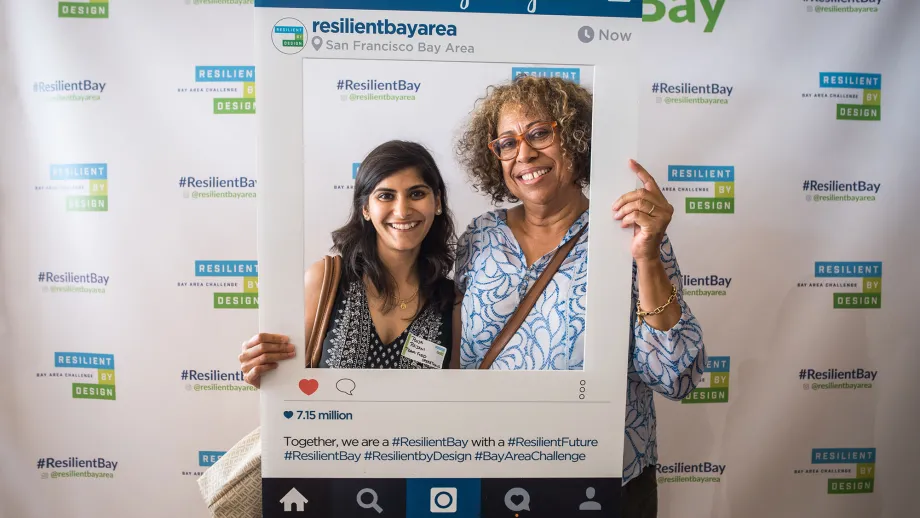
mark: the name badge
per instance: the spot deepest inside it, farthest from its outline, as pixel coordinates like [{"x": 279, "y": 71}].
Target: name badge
[{"x": 424, "y": 351}]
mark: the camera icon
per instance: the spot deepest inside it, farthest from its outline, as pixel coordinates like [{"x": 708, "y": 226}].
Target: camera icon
[{"x": 443, "y": 500}]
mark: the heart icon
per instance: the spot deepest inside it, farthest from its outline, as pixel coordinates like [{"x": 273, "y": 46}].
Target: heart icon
[
  {"x": 517, "y": 497},
  {"x": 288, "y": 414},
  {"x": 308, "y": 386}
]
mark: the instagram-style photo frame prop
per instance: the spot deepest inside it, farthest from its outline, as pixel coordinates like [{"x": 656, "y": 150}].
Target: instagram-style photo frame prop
[{"x": 336, "y": 78}]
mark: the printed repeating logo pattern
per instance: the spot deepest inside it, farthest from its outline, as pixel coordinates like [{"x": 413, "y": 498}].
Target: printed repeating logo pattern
[
  {"x": 569, "y": 74},
  {"x": 859, "y": 95},
  {"x": 97, "y": 176},
  {"x": 216, "y": 79},
  {"x": 713, "y": 387},
  {"x": 722, "y": 191},
  {"x": 858, "y": 463},
  {"x": 869, "y": 273},
  {"x": 90, "y": 9},
  {"x": 94, "y": 374},
  {"x": 222, "y": 275},
  {"x": 687, "y": 473}
]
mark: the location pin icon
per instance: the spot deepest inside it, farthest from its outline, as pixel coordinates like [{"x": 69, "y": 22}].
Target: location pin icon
[{"x": 317, "y": 42}]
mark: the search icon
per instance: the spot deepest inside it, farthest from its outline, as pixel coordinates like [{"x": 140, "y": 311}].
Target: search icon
[{"x": 373, "y": 502}]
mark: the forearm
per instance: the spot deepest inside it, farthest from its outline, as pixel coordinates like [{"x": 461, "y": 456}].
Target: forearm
[
  {"x": 654, "y": 291},
  {"x": 669, "y": 355}
]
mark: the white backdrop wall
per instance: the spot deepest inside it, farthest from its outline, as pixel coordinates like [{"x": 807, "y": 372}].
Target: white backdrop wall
[{"x": 133, "y": 372}]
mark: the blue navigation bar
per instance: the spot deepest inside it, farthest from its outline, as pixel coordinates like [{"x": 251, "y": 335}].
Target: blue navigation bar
[{"x": 599, "y": 8}]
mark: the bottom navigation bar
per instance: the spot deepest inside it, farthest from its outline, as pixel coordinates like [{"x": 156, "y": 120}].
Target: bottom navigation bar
[{"x": 457, "y": 498}]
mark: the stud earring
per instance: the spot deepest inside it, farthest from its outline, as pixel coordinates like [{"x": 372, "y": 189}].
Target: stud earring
[{"x": 438, "y": 211}]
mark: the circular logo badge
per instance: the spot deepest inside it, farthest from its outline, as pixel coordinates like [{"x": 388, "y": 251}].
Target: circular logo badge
[
  {"x": 289, "y": 35},
  {"x": 586, "y": 34}
]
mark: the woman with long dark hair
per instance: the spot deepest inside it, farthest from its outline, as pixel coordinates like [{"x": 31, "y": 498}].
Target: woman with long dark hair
[{"x": 397, "y": 248}]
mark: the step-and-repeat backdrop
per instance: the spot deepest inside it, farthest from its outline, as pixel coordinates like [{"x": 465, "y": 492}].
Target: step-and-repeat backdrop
[{"x": 783, "y": 131}]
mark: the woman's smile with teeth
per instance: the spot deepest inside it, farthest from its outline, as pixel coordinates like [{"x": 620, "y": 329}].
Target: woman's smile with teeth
[
  {"x": 404, "y": 226},
  {"x": 533, "y": 175}
]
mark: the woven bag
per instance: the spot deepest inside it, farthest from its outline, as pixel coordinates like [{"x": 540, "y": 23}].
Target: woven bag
[{"x": 232, "y": 486}]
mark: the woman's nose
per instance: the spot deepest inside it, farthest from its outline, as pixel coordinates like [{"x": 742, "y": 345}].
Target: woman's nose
[
  {"x": 525, "y": 152},
  {"x": 402, "y": 207}
]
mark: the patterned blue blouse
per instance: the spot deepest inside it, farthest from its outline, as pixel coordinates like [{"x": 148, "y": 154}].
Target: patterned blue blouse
[{"x": 493, "y": 276}]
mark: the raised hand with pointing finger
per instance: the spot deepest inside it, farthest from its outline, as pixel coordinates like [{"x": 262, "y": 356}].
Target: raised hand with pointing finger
[{"x": 648, "y": 211}]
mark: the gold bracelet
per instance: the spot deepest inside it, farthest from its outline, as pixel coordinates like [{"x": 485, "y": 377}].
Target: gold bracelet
[{"x": 642, "y": 314}]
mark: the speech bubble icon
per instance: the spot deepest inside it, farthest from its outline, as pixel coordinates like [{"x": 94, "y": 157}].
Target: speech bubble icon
[
  {"x": 317, "y": 42},
  {"x": 517, "y": 499},
  {"x": 345, "y": 386}
]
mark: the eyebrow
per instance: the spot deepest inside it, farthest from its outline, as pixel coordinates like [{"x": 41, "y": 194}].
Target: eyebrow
[
  {"x": 511, "y": 132},
  {"x": 387, "y": 189}
]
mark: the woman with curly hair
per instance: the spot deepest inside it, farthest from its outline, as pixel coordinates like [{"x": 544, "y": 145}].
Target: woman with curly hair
[{"x": 530, "y": 142}]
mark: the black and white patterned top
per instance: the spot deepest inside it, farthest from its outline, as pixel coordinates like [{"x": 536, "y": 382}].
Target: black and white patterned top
[{"x": 352, "y": 341}]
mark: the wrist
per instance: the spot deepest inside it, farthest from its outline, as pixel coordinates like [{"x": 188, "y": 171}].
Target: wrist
[{"x": 649, "y": 263}]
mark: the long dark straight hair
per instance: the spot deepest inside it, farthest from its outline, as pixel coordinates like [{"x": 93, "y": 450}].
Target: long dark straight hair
[{"x": 356, "y": 241}]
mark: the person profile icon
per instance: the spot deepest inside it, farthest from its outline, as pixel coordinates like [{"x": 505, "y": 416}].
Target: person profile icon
[{"x": 590, "y": 504}]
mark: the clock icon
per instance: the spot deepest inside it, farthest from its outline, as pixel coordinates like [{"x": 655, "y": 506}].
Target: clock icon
[{"x": 586, "y": 34}]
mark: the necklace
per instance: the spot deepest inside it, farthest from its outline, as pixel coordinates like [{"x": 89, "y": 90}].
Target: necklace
[{"x": 404, "y": 303}]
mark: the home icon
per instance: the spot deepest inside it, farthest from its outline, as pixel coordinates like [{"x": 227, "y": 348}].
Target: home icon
[{"x": 294, "y": 499}]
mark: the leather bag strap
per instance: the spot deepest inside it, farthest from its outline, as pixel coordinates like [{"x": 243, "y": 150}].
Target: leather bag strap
[
  {"x": 530, "y": 298},
  {"x": 332, "y": 274}
]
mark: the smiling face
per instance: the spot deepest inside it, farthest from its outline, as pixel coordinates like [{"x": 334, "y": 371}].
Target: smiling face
[
  {"x": 535, "y": 175},
  {"x": 402, "y": 208}
]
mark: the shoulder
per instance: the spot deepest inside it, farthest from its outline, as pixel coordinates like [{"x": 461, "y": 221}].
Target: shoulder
[
  {"x": 483, "y": 223},
  {"x": 479, "y": 231},
  {"x": 313, "y": 277},
  {"x": 473, "y": 239}
]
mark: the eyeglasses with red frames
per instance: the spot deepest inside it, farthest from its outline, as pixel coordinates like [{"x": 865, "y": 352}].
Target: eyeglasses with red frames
[{"x": 539, "y": 135}]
